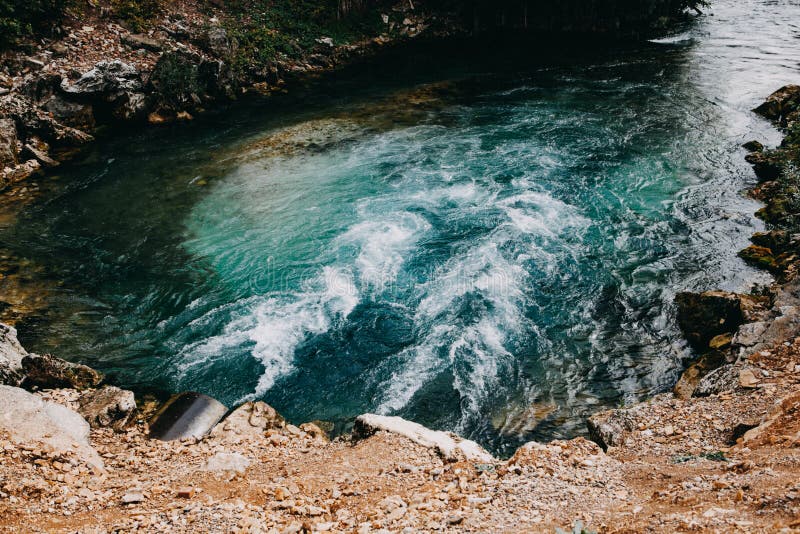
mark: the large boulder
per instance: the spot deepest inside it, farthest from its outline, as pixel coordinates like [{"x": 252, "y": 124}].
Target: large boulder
[
  {"x": 186, "y": 415},
  {"x": 30, "y": 421},
  {"x": 106, "y": 79},
  {"x": 11, "y": 355},
  {"x": 109, "y": 406},
  {"x": 49, "y": 372},
  {"x": 250, "y": 420},
  {"x": 75, "y": 114},
  {"x": 609, "y": 428},
  {"x": 703, "y": 316},
  {"x": 780, "y": 104},
  {"x": 692, "y": 376},
  {"x": 449, "y": 446}
]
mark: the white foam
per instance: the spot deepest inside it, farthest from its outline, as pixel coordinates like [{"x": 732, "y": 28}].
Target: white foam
[
  {"x": 277, "y": 324},
  {"x": 675, "y": 39},
  {"x": 383, "y": 245}
]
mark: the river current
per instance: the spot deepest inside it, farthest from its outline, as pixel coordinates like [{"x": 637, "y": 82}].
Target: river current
[{"x": 486, "y": 240}]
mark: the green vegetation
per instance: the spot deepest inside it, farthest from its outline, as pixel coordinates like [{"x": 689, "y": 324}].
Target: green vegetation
[
  {"x": 136, "y": 14},
  {"x": 176, "y": 78},
  {"x": 265, "y": 29},
  {"x": 716, "y": 456},
  {"x": 20, "y": 18}
]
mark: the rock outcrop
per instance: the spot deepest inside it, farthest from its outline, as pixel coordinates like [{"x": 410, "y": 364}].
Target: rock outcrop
[
  {"x": 703, "y": 316},
  {"x": 108, "y": 406},
  {"x": 49, "y": 372},
  {"x": 30, "y": 421},
  {"x": 11, "y": 355},
  {"x": 248, "y": 420}
]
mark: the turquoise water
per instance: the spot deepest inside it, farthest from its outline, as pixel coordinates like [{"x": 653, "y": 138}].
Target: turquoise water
[{"x": 483, "y": 241}]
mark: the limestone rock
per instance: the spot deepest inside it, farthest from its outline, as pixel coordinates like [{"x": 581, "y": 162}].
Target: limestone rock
[
  {"x": 608, "y": 428},
  {"x": 11, "y": 355},
  {"x": 131, "y": 106},
  {"x": 217, "y": 42},
  {"x": 691, "y": 377},
  {"x": 747, "y": 379},
  {"x": 109, "y": 406},
  {"x": 227, "y": 461},
  {"x": 449, "y": 446},
  {"x": 186, "y": 415},
  {"x": 314, "y": 431},
  {"x": 703, "y": 316},
  {"x": 75, "y": 114},
  {"x": 32, "y": 151},
  {"x": 49, "y": 372},
  {"x": 725, "y": 378},
  {"x": 140, "y": 41},
  {"x": 11, "y": 175},
  {"x": 106, "y": 78},
  {"x": 250, "y": 419},
  {"x": 780, "y": 103},
  {"x": 8, "y": 143},
  {"x": 30, "y": 420},
  {"x": 750, "y": 334}
]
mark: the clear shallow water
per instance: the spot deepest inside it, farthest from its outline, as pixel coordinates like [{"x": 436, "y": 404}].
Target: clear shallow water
[{"x": 483, "y": 243}]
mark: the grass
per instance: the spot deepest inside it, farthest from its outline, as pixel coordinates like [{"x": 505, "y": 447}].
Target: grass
[{"x": 268, "y": 29}]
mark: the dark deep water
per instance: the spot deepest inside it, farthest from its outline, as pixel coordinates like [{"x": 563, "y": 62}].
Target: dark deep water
[{"x": 486, "y": 241}]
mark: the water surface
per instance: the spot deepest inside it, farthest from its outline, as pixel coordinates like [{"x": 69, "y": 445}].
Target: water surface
[{"x": 482, "y": 240}]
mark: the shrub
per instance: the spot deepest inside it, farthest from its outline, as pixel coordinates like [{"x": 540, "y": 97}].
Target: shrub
[
  {"x": 136, "y": 14},
  {"x": 19, "y": 18}
]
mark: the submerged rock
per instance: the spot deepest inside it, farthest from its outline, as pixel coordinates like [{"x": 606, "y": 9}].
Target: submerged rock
[
  {"x": 449, "y": 446},
  {"x": 49, "y": 372},
  {"x": 703, "y": 316}
]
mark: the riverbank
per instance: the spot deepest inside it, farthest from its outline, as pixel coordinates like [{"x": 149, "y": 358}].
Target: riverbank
[
  {"x": 111, "y": 68},
  {"x": 722, "y": 452}
]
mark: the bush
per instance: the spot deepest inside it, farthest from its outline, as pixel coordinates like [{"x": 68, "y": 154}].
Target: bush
[
  {"x": 136, "y": 14},
  {"x": 19, "y": 18},
  {"x": 265, "y": 28},
  {"x": 176, "y": 79}
]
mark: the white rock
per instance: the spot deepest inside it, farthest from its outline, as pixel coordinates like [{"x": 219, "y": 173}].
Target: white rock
[
  {"x": 448, "y": 445},
  {"x": 29, "y": 419},
  {"x": 227, "y": 461}
]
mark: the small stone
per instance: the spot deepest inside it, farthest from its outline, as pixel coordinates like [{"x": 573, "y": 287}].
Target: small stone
[
  {"x": 185, "y": 493},
  {"x": 747, "y": 379},
  {"x": 132, "y": 497}
]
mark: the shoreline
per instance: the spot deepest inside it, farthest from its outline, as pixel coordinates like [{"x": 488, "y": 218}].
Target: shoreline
[
  {"x": 719, "y": 452},
  {"x": 724, "y": 446}
]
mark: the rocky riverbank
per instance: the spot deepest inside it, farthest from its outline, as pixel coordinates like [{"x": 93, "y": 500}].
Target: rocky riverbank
[
  {"x": 57, "y": 94},
  {"x": 720, "y": 453}
]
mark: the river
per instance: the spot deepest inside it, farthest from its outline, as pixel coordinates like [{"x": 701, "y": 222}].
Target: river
[{"x": 481, "y": 239}]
